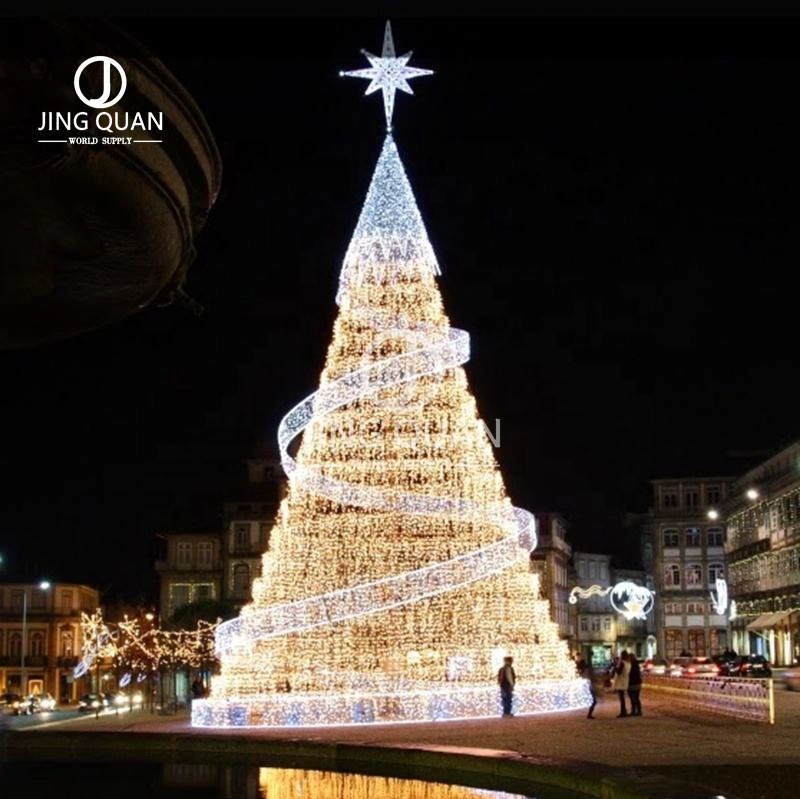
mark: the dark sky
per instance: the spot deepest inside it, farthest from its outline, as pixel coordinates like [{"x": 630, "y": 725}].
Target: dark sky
[{"x": 613, "y": 203}]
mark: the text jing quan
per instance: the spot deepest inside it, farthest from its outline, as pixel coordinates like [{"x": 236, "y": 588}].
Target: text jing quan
[{"x": 104, "y": 120}]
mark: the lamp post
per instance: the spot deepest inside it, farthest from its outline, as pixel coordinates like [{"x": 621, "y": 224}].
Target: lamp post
[{"x": 43, "y": 585}]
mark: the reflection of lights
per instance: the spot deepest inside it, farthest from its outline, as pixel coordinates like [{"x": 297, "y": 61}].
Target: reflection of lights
[
  {"x": 720, "y": 598},
  {"x": 278, "y": 782},
  {"x": 752, "y": 493}
]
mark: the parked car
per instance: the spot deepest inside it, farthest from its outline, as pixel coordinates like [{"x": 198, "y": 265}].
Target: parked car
[
  {"x": 701, "y": 667},
  {"x": 791, "y": 678},
  {"x": 93, "y": 702},
  {"x": 677, "y": 665},
  {"x": 654, "y": 666},
  {"x": 750, "y": 666}
]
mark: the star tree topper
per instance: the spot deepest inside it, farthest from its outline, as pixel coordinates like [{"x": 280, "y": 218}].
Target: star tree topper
[{"x": 388, "y": 73}]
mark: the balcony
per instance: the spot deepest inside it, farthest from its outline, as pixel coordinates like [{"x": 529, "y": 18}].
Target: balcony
[{"x": 31, "y": 661}]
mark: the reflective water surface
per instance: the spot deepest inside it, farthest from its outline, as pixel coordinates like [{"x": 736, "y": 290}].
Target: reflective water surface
[{"x": 31, "y": 780}]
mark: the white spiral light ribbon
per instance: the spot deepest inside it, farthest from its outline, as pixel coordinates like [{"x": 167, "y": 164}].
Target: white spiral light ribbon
[{"x": 447, "y": 349}]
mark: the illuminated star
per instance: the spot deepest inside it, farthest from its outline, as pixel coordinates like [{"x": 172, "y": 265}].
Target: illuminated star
[{"x": 388, "y": 73}]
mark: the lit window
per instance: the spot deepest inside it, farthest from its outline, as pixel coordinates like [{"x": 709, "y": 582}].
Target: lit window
[
  {"x": 694, "y": 574},
  {"x": 672, "y": 576}
]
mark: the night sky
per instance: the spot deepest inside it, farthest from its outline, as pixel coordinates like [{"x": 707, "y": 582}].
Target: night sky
[{"x": 613, "y": 202}]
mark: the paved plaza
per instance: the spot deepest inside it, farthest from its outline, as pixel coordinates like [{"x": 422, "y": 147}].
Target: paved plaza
[{"x": 709, "y": 755}]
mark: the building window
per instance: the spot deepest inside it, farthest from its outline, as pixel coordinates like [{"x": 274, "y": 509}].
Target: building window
[
  {"x": 672, "y": 576},
  {"x": 179, "y": 595},
  {"x": 241, "y": 580},
  {"x": 716, "y": 571},
  {"x": 584, "y": 624},
  {"x": 241, "y": 537},
  {"x": 595, "y": 624},
  {"x": 184, "y": 555},
  {"x": 66, "y": 646},
  {"x": 691, "y": 499},
  {"x": 607, "y": 624},
  {"x": 66, "y": 601},
  {"x": 697, "y": 642},
  {"x": 205, "y": 550},
  {"x": 714, "y": 537},
  {"x": 692, "y": 536},
  {"x": 15, "y": 645},
  {"x": 203, "y": 592},
  {"x": 673, "y": 643},
  {"x": 670, "y": 499},
  {"x": 696, "y": 608},
  {"x": 712, "y": 495},
  {"x": 37, "y": 644},
  {"x": 694, "y": 575},
  {"x": 16, "y": 600},
  {"x": 718, "y": 640},
  {"x": 671, "y": 538},
  {"x": 673, "y": 608}
]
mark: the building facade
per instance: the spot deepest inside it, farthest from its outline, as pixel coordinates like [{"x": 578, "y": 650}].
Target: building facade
[
  {"x": 763, "y": 553},
  {"x": 41, "y": 637},
  {"x": 551, "y": 561},
  {"x": 222, "y": 564},
  {"x": 595, "y": 629},
  {"x": 686, "y": 532}
]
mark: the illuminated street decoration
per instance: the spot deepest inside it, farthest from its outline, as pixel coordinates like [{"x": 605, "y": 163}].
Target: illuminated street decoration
[
  {"x": 733, "y": 612},
  {"x": 586, "y": 593},
  {"x": 388, "y": 73},
  {"x": 629, "y": 599},
  {"x": 720, "y": 598},
  {"x": 398, "y": 570}
]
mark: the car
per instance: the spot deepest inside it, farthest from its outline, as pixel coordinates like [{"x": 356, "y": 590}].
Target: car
[
  {"x": 791, "y": 678},
  {"x": 724, "y": 662},
  {"x": 677, "y": 665},
  {"x": 10, "y": 703},
  {"x": 701, "y": 667},
  {"x": 750, "y": 666},
  {"x": 654, "y": 666},
  {"x": 45, "y": 702},
  {"x": 131, "y": 699},
  {"x": 95, "y": 702}
]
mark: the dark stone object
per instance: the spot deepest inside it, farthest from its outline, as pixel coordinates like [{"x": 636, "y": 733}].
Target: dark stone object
[{"x": 92, "y": 233}]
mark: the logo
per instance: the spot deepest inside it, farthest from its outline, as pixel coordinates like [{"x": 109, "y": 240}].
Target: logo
[{"x": 102, "y": 101}]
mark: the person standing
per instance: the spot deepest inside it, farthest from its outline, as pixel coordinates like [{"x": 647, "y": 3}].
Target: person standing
[
  {"x": 620, "y": 685},
  {"x": 587, "y": 673},
  {"x": 635, "y": 686},
  {"x": 506, "y": 679}
]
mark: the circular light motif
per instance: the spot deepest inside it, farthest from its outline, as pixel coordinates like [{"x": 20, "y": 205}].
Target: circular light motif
[{"x": 631, "y": 600}]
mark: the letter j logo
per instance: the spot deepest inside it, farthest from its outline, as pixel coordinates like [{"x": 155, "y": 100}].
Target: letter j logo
[{"x": 102, "y": 101}]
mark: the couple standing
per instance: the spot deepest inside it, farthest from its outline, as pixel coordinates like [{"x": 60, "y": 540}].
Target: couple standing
[{"x": 628, "y": 677}]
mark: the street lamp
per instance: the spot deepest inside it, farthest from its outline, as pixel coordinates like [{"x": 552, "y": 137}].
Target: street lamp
[{"x": 43, "y": 585}]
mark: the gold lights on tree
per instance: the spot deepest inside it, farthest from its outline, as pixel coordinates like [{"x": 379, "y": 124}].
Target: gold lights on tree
[{"x": 398, "y": 573}]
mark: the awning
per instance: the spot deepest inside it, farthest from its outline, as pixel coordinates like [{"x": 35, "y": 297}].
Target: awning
[{"x": 768, "y": 620}]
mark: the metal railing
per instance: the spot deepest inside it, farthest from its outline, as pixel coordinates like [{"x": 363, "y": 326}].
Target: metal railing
[{"x": 746, "y": 698}]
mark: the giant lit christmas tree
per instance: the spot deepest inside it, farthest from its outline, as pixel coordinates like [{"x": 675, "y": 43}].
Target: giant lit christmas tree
[{"x": 398, "y": 574}]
